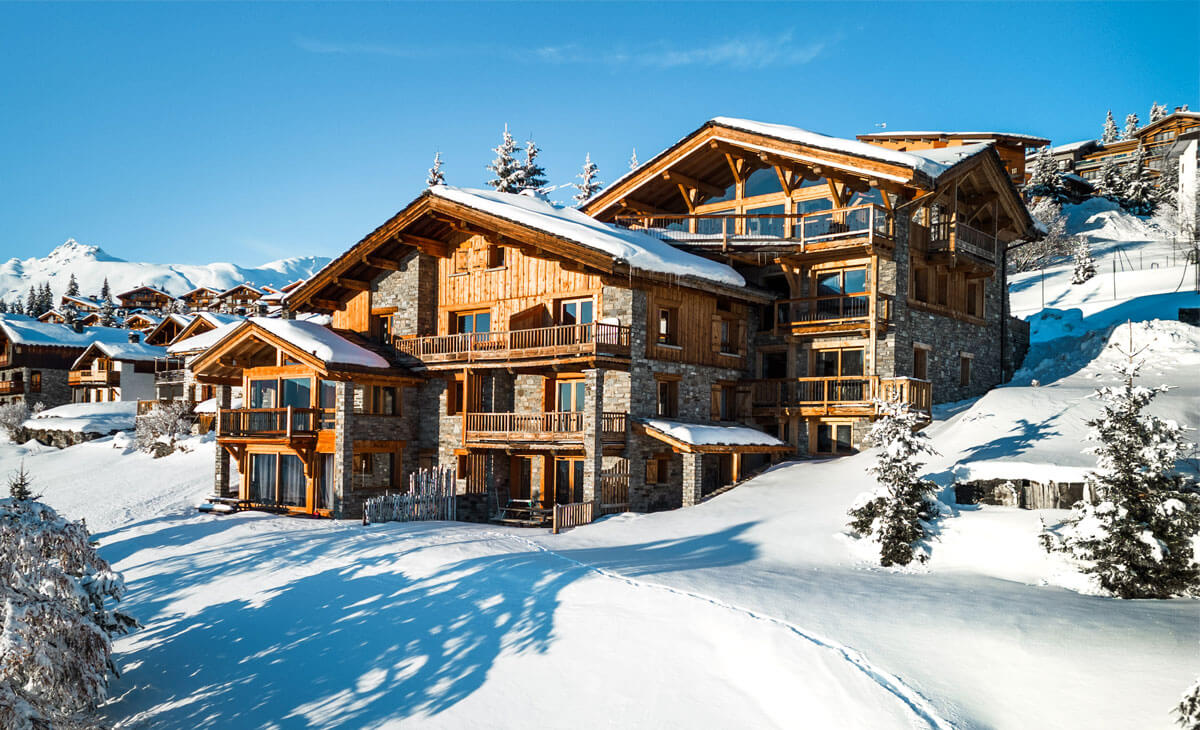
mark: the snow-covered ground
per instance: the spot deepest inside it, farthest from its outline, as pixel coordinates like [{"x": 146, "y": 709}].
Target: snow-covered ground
[
  {"x": 102, "y": 418},
  {"x": 751, "y": 610}
]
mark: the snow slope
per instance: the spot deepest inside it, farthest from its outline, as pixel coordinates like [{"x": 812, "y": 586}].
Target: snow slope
[{"x": 91, "y": 265}]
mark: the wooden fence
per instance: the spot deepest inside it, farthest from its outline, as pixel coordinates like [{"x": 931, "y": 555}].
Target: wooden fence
[
  {"x": 430, "y": 496},
  {"x": 572, "y": 515},
  {"x": 614, "y": 489}
]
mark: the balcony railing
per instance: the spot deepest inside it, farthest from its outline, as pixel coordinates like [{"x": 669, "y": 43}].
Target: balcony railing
[
  {"x": 961, "y": 238},
  {"x": 92, "y": 377},
  {"x": 831, "y": 311},
  {"x": 593, "y": 338},
  {"x": 553, "y": 426},
  {"x": 268, "y": 422},
  {"x": 169, "y": 370},
  {"x": 840, "y": 393},
  {"x": 826, "y": 227},
  {"x": 12, "y": 387}
]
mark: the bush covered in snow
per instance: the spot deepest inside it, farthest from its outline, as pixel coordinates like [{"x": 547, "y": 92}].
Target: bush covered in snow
[
  {"x": 896, "y": 513},
  {"x": 158, "y": 430},
  {"x": 12, "y": 415},
  {"x": 1188, "y": 708},
  {"x": 1137, "y": 538},
  {"x": 1085, "y": 265},
  {"x": 1054, "y": 243},
  {"x": 57, "y": 616}
]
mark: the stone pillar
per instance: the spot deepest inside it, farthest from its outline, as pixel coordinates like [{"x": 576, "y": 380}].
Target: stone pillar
[
  {"x": 343, "y": 447},
  {"x": 593, "y": 443},
  {"x": 693, "y": 478},
  {"x": 221, "y": 486}
]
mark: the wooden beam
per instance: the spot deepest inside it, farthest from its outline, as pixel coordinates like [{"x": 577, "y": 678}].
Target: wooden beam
[
  {"x": 356, "y": 284},
  {"x": 644, "y": 208},
  {"x": 785, "y": 179},
  {"x": 425, "y": 245},
  {"x": 330, "y": 304},
  {"x": 688, "y": 197},
  {"x": 707, "y": 188},
  {"x": 380, "y": 262}
]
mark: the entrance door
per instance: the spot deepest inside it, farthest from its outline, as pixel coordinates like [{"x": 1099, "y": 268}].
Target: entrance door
[
  {"x": 833, "y": 439},
  {"x": 521, "y": 486},
  {"x": 568, "y": 480}
]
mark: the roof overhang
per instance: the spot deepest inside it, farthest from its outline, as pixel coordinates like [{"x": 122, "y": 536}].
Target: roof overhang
[{"x": 684, "y": 447}]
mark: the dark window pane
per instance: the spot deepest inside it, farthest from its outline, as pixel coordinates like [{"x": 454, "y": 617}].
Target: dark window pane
[
  {"x": 483, "y": 322},
  {"x": 852, "y": 362},
  {"x": 297, "y": 393},
  {"x": 262, "y": 478},
  {"x": 829, "y": 284},
  {"x": 824, "y": 438},
  {"x": 843, "y": 439},
  {"x": 291, "y": 480},
  {"x": 262, "y": 393}
]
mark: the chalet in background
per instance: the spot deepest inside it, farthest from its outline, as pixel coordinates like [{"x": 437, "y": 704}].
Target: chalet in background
[
  {"x": 107, "y": 372},
  {"x": 36, "y": 358},
  {"x": 145, "y": 297},
  {"x": 1012, "y": 148},
  {"x": 747, "y": 293},
  {"x": 1087, "y": 157}
]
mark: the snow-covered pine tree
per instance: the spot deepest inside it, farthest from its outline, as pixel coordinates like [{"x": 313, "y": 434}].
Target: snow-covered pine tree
[
  {"x": 633, "y": 160},
  {"x": 17, "y": 307},
  {"x": 1157, "y": 111},
  {"x": 72, "y": 286},
  {"x": 1111, "y": 133},
  {"x": 1137, "y": 538},
  {"x": 1139, "y": 193},
  {"x": 435, "y": 176},
  {"x": 47, "y": 298},
  {"x": 58, "y": 598},
  {"x": 20, "y": 485},
  {"x": 1045, "y": 181},
  {"x": 533, "y": 175},
  {"x": 590, "y": 183},
  {"x": 107, "y": 313},
  {"x": 1188, "y": 708},
  {"x": 1131, "y": 126},
  {"x": 505, "y": 168},
  {"x": 178, "y": 306},
  {"x": 13, "y": 416},
  {"x": 1085, "y": 265},
  {"x": 70, "y": 312},
  {"x": 32, "y": 303},
  {"x": 3, "y": 306},
  {"x": 1111, "y": 182},
  {"x": 105, "y": 292},
  {"x": 894, "y": 513},
  {"x": 1055, "y": 241}
]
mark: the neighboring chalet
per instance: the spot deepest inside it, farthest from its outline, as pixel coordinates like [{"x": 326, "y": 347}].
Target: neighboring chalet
[
  {"x": 52, "y": 316},
  {"x": 35, "y": 358},
  {"x": 202, "y": 298},
  {"x": 241, "y": 299},
  {"x": 115, "y": 371},
  {"x": 145, "y": 297},
  {"x": 1086, "y": 158},
  {"x": 82, "y": 304},
  {"x": 747, "y": 293},
  {"x": 142, "y": 322},
  {"x": 168, "y": 329},
  {"x": 1012, "y": 148},
  {"x": 174, "y": 379}
]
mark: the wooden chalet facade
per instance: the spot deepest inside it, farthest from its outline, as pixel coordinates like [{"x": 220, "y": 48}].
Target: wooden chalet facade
[
  {"x": 240, "y": 299},
  {"x": 165, "y": 332},
  {"x": 36, "y": 358},
  {"x": 746, "y": 293},
  {"x": 200, "y": 299},
  {"x": 107, "y": 372},
  {"x": 1154, "y": 140},
  {"x": 173, "y": 378},
  {"x": 145, "y": 297},
  {"x": 1012, "y": 148}
]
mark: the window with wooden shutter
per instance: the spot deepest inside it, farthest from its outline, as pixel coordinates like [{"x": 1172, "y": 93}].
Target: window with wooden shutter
[
  {"x": 715, "y": 409},
  {"x": 652, "y": 471}
]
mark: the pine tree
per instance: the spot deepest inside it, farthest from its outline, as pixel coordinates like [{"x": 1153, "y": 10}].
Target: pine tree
[
  {"x": 633, "y": 160},
  {"x": 70, "y": 312},
  {"x": 590, "y": 184},
  {"x": 1137, "y": 538},
  {"x": 1085, "y": 265},
  {"x": 1111, "y": 182},
  {"x": 1167, "y": 190},
  {"x": 435, "y": 176},
  {"x": 20, "y": 485},
  {"x": 533, "y": 175},
  {"x": 507, "y": 171},
  {"x": 1046, "y": 181},
  {"x": 47, "y": 298},
  {"x": 1138, "y": 194},
  {"x": 1188, "y": 708},
  {"x": 105, "y": 293},
  {"x": 3, "y": 306},
  {"x": 894, "y": 513},
  {"x": 17, "y": 307},
  {"x": 1157, "y": 111},
  {"x": 72, "y": 286},
  {"x": 1111, "y": 133},
  {"x": 32, "y": 302},
  {"x": 1131, "y": 126},
  {"x": 107, "y": 313}
]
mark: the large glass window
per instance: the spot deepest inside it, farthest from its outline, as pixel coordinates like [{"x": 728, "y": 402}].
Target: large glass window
[
  {"x": 262, "y": 478},
  {"x": 834, "y": 438},
  {"x": 575, "y": 311},
  {"x": 468, "y": 322},
  {"x": 264, "y": 393},
  {"x": 291, "y": 480},
  {"x": 838, "y": 363},
  {"x": 324, "y": 478},
  {"x": 570, "y": 395},
  {"x": 765, "y": 226},
  {"x": 762, "y": 181},
  {"x": 297, "y": 393}
]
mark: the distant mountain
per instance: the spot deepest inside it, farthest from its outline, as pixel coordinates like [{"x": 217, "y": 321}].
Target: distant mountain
[{"x": 91, "y": 265}]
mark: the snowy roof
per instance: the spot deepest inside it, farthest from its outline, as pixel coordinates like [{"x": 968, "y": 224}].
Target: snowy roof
[
  {"x": 948, "y": 157},
  {"x": 198, "y": 290},
  {"x": 1029, "y": 139},
  {"x": 204, "y": 340},
  {"x": 148, "y": 317},
  {"x": 243, "y": 285},
  {"x": 144, "y": 287},
  {"x": 85, "y": 301},
  {"x": 322, "y": 342},
  {"x": 709, "y": 434},
  {"x": 217, "y": 319},
  {"x": 1073, "y": 146},
  {"x": 22, "y": 330},
  {"x": 125, "y": 351},
  {"x": 640, "y": 250}
]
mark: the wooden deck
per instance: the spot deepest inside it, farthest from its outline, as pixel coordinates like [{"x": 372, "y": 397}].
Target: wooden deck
[
  {"x": 837, "y": 396},
  {"x": 829, "y": 314},
  {"x": 592, "y": 339},
  {"x": 562, "y": 428},
  {"x": 12, "y": 387},
  {"x": 89, "y": 377},
  {"x": 269, "y": 424}
]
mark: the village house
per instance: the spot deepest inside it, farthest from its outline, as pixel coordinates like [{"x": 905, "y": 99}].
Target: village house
[
  {"x": 746, "y": 294},
  {"x": 145, "y": 297},
  {"x": 240, "y": 299},
  {"x": 201, "y": 298},
  {"x": 1086, "y": 158},
  {"x": 36, "y": 357},
  {"x": 114, "y": 371},
  {"x": 141, "y": 322},
  {"x": 168, "y": 329},
  {"x": 174, "y": 380},
  {"x": 1012, "y": 148}
]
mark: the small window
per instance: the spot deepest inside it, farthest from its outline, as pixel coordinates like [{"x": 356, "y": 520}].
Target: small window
[
  {"x": 668, "y": 398},
  {"x": 454, "y": 397},
  {"x": 364, "y": 464},
  {"x": 920, "y": 363},
  {"x": 975, "y": 299},
  {"x": 461, "y": 259},
  {"x": 964, "y": 370},
  {"x": 575, "y": 311},
  {"x": 668, "y": 326},
  {"x": 495, "y": 256},
  {"x": 35, "y": 382},
  {"x": 943, "y": 289},
  {"x": 921, "y": 285}
]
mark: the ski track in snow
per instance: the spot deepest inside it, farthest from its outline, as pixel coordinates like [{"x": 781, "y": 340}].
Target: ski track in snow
[{"x": 920, "y": 706}]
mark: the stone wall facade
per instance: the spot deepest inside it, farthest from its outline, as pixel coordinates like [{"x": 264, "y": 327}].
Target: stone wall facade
[{"x": 53, "y": 391}]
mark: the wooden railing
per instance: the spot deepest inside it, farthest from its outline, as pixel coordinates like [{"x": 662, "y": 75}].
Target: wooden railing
[
  {"x": 268, "y": 422},
  {"x": 827, "y": 393},
  {"x": 838, "y": 225},
  {"x": 834, "y": 309},
  {"x": 961, "y": 238},
  {"x": 572, "y": 515},
  {"x": 561, "y": 340},
  {"x": 169, "y": 369},
  {"x": 90, "y": 377},
  {"x": 552, "y": 426},
  {"x": 12, "y": 387}
]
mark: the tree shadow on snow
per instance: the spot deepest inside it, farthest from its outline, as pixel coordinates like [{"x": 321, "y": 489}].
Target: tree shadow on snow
[{"x": 370, "y": 638}]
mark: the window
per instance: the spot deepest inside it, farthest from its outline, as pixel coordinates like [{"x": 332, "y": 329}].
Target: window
[
  {"x": 724, "y": 403},
  {"x": 921, "y": 363},
  {"x": 292, "y": 487},
  {"x": 297, "y": 393},
  {"x": 35, "y": 382},
  {"x": 943, "y": 289},
  {"x": 262, "y": 478},
  {"x": 324, "y": 493},
  {"x": 461, "y": 259},
  {"x": 975, "y": 298},
  {"x": 668, "y": 326},
  {"x": 658, "y": 470},
  {"x": 263, "y": 393},
  {"x": 668, "y": 398},
  {"x": 921, "y": 284},
  {"x": 964, "y": 370},
  {"x": 364, "y": 464},
  {"x": 454, "y": 397},
  {"x": 468, "y": 322},
  {"x": 726, "y": 331},
  {"x": 569, "y": 395},
  {"x": 568, "y": 480},
  {"x": 762, "y": 181},
  {"x": 839, "y": 363},
  {"x": 575, "y": 311},
  {"x": 385, "y": 401},
  {"x": 495, "y": 256},
  {"x": 834, "y": 438}
]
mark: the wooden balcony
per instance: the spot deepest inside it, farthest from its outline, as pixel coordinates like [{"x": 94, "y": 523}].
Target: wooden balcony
[
  {"x": 169, "y": 370},
  {"x": 594, "y": 339},
  {"x": 93, "y": 378},
  {"x": 854, "y": 226},
  {"x": 270, "y": 424},
  {"x": 561, "y": 428},
  {"x": 12, "y": 387},
  {"x": 959, "y": 238},
  {"x": 840, "y": 313},
  {"x": 837, "y": 396}
]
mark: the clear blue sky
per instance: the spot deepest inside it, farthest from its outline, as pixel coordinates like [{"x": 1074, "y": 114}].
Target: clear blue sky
[{"x": 192, "y": 133}]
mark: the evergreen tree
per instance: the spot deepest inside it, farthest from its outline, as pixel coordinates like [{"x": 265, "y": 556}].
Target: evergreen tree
[
  {"x": 1045, "y": 182},
  {"x": 1157, "y": 111},
  {"x": 893, "y": 515},
  {"x": 1188, "y": 708},
  {"x": 20, "y": 485},
  {"x": 533, "y": 175},
  {"x": 435, "y": 173},
  {"x": 72, "y": 286},
  {"x": 3, "y": 306},
  {"x": 32, "y": 302},
  {"x": 1111, "y": 182},
  {"x": 107, "y": 313},
  {"x": 505, "y": 168},
  {"x": 1085, "y": 265},
  {"x": 17, "y": 307},
  {"x": 1137, "y": 538},
  {"x": 1111, "y": 133},
  {"x": 1131, "y": 126},
  {"x": 633, "y": 160},
  {"x": 590, "y": 182},
  {"x": 105, "y": 293},
  {"x": 47, "y": 298},
  {"x": 1167, "y": 190},
  {"x": 70, "y": 312},
  {"x": 1138, "y": 195}
]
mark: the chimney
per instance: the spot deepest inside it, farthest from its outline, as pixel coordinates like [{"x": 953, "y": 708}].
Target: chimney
[{"x": 135, "y": 337}]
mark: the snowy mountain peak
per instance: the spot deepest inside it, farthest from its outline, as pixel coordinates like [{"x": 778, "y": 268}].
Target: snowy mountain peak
[{"x": 72, "y": 251}]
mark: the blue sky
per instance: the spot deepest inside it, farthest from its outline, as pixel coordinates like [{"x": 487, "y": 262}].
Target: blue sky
[{"x": 182, "y": 133}]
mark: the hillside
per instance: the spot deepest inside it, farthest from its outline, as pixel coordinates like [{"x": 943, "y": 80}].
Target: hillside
[{"x": 91, "y": 265}]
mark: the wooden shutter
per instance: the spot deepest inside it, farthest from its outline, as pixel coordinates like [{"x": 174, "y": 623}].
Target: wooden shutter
[
  {"x": 716, "y": 403},
  {"x": 652, "y": 471},
  {"x": 716, "y": 333}
]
